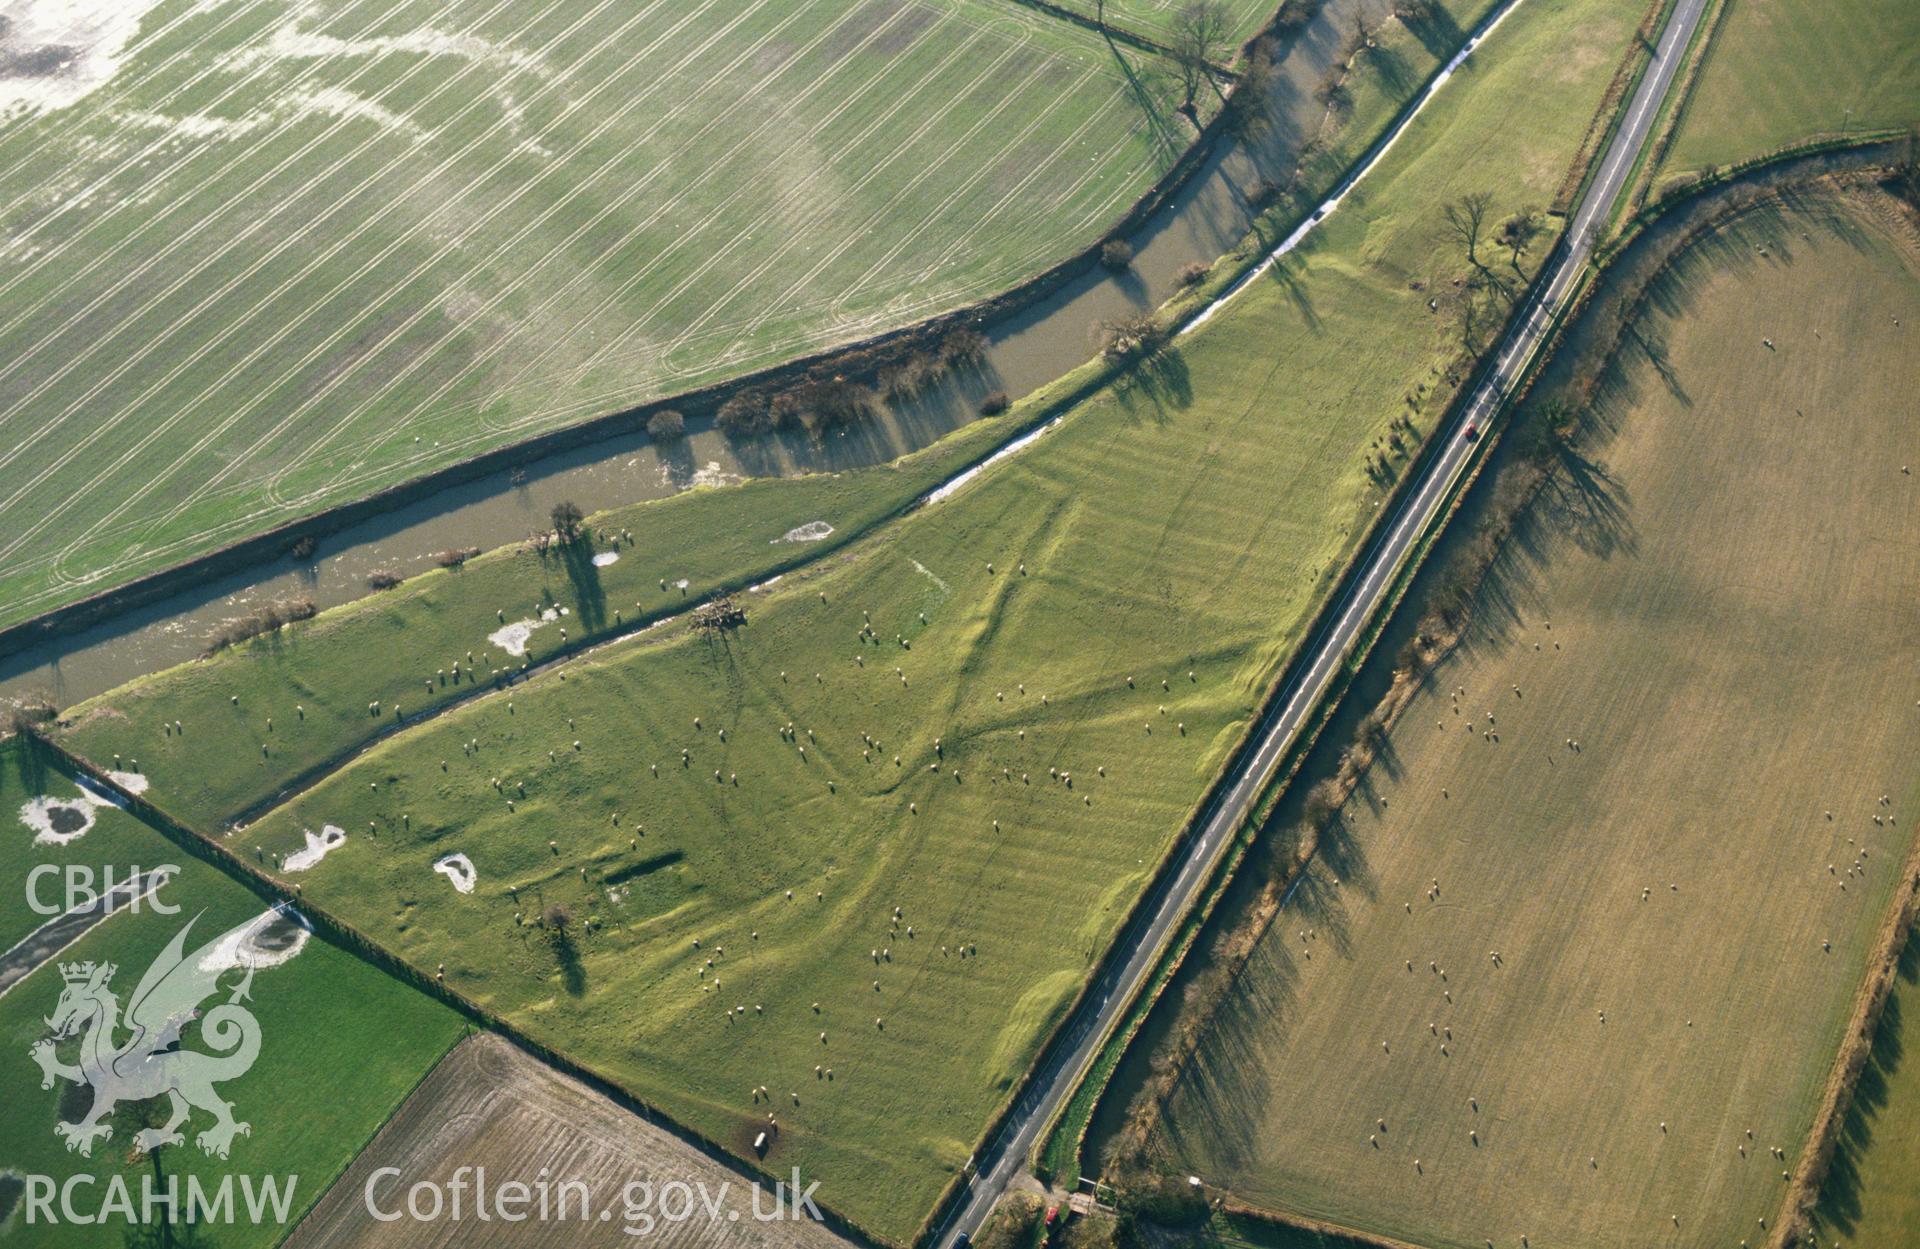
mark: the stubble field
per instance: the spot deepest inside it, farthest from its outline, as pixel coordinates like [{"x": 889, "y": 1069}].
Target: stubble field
[{"x": 1578, "y": 956}]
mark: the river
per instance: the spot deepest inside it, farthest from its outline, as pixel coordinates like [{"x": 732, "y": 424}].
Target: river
[{"x": 1207, "y": 217}]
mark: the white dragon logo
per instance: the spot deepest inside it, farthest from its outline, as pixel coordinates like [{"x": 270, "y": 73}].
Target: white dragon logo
[{"x": 151, "y": 1064}]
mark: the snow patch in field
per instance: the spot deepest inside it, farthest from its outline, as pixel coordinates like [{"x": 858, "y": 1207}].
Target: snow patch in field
[
  {"x": 606, "y": 558},
  {"x": 335, "y": 102},
  {"x": 59, "y": 821},
  {"x": 54, "y": 52},
  {"x": 761, "y": 586},
  {"x": 457, "y": 868},
  {"x": 1018, "y": 445},
  {"x": 513, "y": 638},
  {"x": 318, "y": 846},
  {"x": 267, "y": 940},
  {"x": 193, "y": 125},
  {"x": 291, "y": 44},
  {"x": 812, "y": 531},
  {"x": 132, "y": 782}
]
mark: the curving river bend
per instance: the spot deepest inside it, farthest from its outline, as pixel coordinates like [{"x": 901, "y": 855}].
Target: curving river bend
[{"x": 1206, "y": 218}]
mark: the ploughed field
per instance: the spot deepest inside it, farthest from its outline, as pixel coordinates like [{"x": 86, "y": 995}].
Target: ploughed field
[
  {"x": 846, "y": 863},
  {"x": 1576, "y": 960},
  {"x": 256, "y": 259},
  {"x": 492, "y": 1115}
]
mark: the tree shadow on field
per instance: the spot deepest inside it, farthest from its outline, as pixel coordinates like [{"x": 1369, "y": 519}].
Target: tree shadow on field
[
  {"x": 1285, "y": 273},
  {"x": 590, "y": 598},
  {"x": 1436, "y": 30},
  {"x": 1211, "y": 1106},
  {"x": 1169, "y": 139},
  {"x": 1160, "y": 380},
  {"x": 1582, "y": 508},
  {"x": 573, "y": 973},
  {"x": 1392, "y": 68},
  {"x": 1652, "y": 347},
  {"x": 37, "y": 768},
  {"x": 1840, "y": 1206}
]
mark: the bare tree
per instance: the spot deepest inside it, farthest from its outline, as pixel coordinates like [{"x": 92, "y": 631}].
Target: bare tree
[
  {"x": 1466, "y": 217},
  {"x": 1199, "y": 38},
  {"x": 1134, "y": 335},
  {"x": 1517, "y": 233},
  {"x": 1360, "y": 38},
  {"x": 667, "y": 426},
  {"x": 567, "y": 517},
  {"x": 1467, "y": 220}
]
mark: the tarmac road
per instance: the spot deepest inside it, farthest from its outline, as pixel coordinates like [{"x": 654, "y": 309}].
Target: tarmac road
[{"x": 1368, "y": 582}]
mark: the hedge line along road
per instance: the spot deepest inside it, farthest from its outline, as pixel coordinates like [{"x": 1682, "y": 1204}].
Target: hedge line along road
[{"x": 1368, "y": 583}]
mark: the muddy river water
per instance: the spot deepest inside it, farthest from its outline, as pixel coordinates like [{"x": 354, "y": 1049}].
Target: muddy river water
[{"x": 1206, "y": 218}]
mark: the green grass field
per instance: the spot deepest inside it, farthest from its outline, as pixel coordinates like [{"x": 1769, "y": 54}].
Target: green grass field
[
  {"x": 1180, "y": 529},
  {"x": 316, "y": 682},
  {"x": 90, "y": 835},
  {"x": 274, "y": 259},
  {"x": 1158, "y": 19},
  {"x": 1714, "y": 603},
  {"x": 1784, "y": 70},
  {"x": 1871, "y": 1197},
  {"x": 313, "y": 1098}
]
